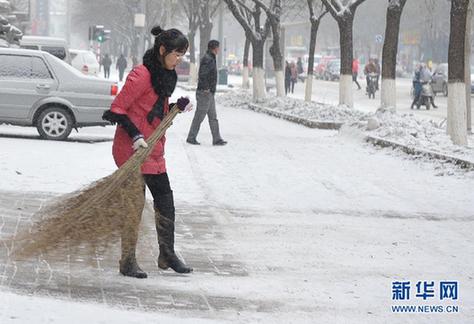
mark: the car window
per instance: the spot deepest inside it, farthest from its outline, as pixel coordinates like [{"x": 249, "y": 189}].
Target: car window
[
  {"x": 64, "y": 65},
  {"x": 39, "y": 69},
  {"x": 15, "y": 67},
  {"x": 76, "y": 59},
  {"x": 59, "y": 52},
  {"x": 32, "y": 47}
]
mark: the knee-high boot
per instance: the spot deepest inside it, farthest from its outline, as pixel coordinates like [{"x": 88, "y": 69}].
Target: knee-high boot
[
  {"x": 165, "y": 218},
  {"x": 128, "y": 263}
]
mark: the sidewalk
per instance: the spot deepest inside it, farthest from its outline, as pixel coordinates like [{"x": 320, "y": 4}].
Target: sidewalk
[{"x": 94, "y": 277}]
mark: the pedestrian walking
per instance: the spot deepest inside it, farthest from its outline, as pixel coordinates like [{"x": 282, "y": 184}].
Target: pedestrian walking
[
  {"x": 121, "y": 66},
  {"x": 355, "y": 72},
  {"x": 287, "y": 77},
  {"x": 299, "y": 69},
  {"x": 369, "y": 69},
  {"x": 134, "y": 61},
  {"x": 106, "y": 63},
  {"x": 206, "y": 104},
  {"x": 138, "y": 111},
  {"x": 293, "y": 76}
]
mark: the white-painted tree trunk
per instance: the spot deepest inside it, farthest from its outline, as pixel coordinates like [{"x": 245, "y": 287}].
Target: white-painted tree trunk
[
  {"x": 345, "y": 91},
  {"x": 389, "y": 93},
  {"x": 457, "y": 127},
  {"x": 192, "y": 74},
  {"x": 245, "y": 77},
  {"x": 258, "y": 77},
  {"x": 280, "y": 83},
  {"x": 308, "y": 90}
]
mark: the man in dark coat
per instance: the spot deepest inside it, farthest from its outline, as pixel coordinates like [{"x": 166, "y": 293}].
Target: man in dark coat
[
  {"x": 106, "y": 63},
  {"x": 287, "y": 77},
  {"x": 121, "y": 66},
  {"x": 205, "y": 97}
]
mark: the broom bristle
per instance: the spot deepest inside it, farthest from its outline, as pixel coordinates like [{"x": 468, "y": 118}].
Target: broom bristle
[{"x": 95, "y": 215}]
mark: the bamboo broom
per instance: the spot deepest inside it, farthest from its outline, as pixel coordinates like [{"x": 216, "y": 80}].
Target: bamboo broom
[{"x": 96, "y": 214}]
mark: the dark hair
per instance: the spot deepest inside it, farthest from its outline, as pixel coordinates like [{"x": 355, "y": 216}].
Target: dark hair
[
  {"x": 171, "y": 39},
  {"x": 213, "y": 44}
]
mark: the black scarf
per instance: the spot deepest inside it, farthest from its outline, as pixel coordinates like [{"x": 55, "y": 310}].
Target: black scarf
[{"x": 163, "y": 81}]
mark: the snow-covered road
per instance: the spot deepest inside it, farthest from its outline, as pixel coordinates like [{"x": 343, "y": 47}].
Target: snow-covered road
[
  {"x": 328, "y": 92},
  {"x": 323, "y": 222}
]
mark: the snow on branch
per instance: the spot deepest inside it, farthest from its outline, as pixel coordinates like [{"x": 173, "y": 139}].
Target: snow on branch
[
  {"x": 338, "y": 9},
  {"x": 393, "y": 4}
]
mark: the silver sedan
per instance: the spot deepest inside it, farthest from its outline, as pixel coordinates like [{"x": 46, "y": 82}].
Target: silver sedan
[{"x": 38, "y": 89}]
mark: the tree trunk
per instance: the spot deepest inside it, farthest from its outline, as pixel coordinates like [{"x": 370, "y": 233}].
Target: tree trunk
[
  {"x": 345, "y": 24},
  {"x": 456, "y": 127},
  {"x": 192, "y": 59},
  {"x": 277, "y": 57},
  {"x": 389, "y": 54},
  {"x": 467, "y": 68},
  {"x": 245, "y": 63},
  {"x": 204, "y": 37},
  {"x": 312, "y": 48},
  {"x": 258, "y": 74}
]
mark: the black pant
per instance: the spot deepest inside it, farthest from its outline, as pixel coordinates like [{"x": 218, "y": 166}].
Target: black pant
[
  {"x": 293, "y": 85},
  {"x": 354, "y": 79},
  {"x": 159, "y": 184},
  {"x": 287, "y": 86},
  {"x": 121, "y": 72},
  {"x": 106, "y": 72}
]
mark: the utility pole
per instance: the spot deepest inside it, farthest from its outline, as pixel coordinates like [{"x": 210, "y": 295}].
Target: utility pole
[
  {"x": 221, "y": 36},
  {"x": 168, "y": 15},
  {"x": 140, "y": 28},
  {"x": 68, "y": 22}
]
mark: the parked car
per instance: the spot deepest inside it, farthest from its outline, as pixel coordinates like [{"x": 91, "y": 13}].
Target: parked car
[
  {"x": 440, "y": 79},
  {"x": 182, "y": 70},
  {"x": 321, "y": 67},
  {"x": 55, "y": 46},
  {"x": 84, "y": 61},
  {"x": 316, "y": 59},
  {"x": 38, "y": 89},
  {"x": 234, "y": 66},
  {"x": 333, "y": 70}
]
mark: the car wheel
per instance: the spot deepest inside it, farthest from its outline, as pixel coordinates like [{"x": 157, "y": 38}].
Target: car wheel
[
  {"x": 54, "y": 123},
  {"x": 445, "y": 90}
]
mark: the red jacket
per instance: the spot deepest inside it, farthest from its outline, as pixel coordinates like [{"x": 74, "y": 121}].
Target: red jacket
[
  {"x": 355, "y": 66},
  {"x": 136, "y": 99}
]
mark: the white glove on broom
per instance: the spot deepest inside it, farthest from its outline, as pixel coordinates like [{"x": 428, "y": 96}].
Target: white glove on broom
[{"x": 139, "y": 141}]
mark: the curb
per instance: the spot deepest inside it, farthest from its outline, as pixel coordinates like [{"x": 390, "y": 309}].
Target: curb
[
  {"x": 193, "y": 88},
  {"x": 465, "y": 164},
  {"x": 377, "y": 141},
  {"x": 298, "y": 120}
]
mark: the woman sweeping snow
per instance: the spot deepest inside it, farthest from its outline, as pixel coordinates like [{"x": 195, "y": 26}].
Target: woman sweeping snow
[{"x": 138, "y": 110}]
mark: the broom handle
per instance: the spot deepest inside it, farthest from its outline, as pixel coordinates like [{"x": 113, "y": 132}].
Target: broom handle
[{"x": 142, "y": 153}]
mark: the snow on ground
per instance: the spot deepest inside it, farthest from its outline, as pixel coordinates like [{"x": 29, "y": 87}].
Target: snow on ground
[
  {"x": 404, "y": 128},
  {"x": 27, "y": 309},
  {"x": 323, "y": 222}
]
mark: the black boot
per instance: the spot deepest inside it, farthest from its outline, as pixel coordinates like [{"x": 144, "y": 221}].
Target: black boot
[
  {"x": 164, "y": 218},
  {"x": 130, "y": 268}
]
